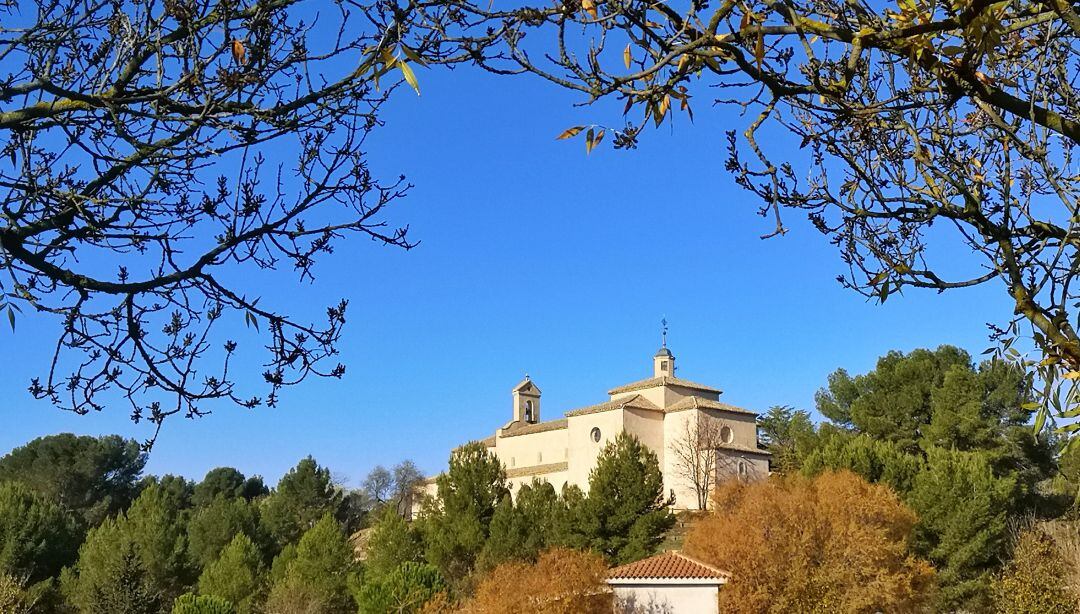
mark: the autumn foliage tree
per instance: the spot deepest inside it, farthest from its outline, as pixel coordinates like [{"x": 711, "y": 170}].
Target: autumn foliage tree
[
  {"x": 835, "y": 543},
  {"x": 561, "y": 581}
]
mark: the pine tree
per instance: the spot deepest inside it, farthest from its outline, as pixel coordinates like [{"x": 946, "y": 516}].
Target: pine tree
[
  {"x": 37, "y": 537},
  {"x": 626, "y": 513},
  {"x": 236, "y": 576},
  {"x": 963, "y": 510},
  {"x": 456, "y": 526},
  {"x": 154, "y": 531},
  {"x": 522, "y": 528},
  {"x": 405, "y": 590},
  {"x": 874, "y": 460},
  {"x": 129, "y": 589},
  {"x": 303, "y": 496},
  {"x": 392, "y": 543},
  {"x": 214, "y": 525},
  {"x": 320, "y": 576}
]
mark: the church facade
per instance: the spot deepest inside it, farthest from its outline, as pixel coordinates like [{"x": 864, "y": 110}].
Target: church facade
[{"x": 666, "y": 413}]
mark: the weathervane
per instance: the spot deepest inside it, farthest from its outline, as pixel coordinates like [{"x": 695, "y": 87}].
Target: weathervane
[{"x": 663, "y": 331}]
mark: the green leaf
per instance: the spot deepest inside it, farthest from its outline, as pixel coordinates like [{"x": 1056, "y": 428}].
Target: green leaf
[
  {"x": 11, "y": 318},
  {"x": 410, "y": 76}
]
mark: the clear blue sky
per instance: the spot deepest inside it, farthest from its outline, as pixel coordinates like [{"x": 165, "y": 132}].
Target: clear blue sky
[{"x": 538, "y": 259}]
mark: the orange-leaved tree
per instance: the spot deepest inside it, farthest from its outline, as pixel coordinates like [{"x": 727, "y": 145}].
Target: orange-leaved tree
[
  {"x": 834, "y": 543},
  {"x": 562, "y": 581}
]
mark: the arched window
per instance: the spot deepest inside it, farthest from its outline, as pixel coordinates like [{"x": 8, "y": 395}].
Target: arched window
[{"x": 528, "y": 411}]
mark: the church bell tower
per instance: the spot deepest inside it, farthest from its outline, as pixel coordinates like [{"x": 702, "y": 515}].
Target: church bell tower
[{"x": 526, "y": 402}]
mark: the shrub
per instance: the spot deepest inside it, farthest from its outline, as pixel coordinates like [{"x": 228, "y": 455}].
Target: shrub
[
  {"x": 201, "y": 604},
  {"x": 562, "y": 581},
  {"x": 835, "y": 543},
  {"x": 1035, "y": 579}
]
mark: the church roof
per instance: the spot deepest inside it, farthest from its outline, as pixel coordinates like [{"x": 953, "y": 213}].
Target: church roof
[
  {"x": 734, "y": 447},
  {"x": 701, "y": 403},
  {"x": 637, "y": 402},
  {"x": 669, "y": 565},
  {"x": 526, "y": 385},
  {"x": 519, "y": 428},
  {"x": 653, "y": 382},
  {"x": 518, "y": 472}
]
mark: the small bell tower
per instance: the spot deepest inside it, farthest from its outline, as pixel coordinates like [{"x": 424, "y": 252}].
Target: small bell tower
[{"x": 526, "y": 402}]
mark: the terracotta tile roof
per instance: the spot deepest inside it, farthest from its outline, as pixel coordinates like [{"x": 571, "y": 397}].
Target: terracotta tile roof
[
  {"x": 701, "y": 403},
  {"x": 637, "y": 401},
  {"x": 524, "y": 429},
  {"x": 653, "y": 382},
  {"x": 669, "y": 565},
  {"x": 517, "y": 472}
]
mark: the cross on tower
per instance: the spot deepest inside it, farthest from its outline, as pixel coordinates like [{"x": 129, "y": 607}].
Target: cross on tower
[{"x": 663, "y": 332}]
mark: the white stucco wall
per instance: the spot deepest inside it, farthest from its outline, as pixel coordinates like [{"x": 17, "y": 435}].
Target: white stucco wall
[
  {"x": 583, "y": 450},
  {"x": 654, "y": 597}
]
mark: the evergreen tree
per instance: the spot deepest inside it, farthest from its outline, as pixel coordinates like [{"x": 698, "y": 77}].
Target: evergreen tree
[
  {"x": 521, "y": 529},
  {"x": 963, "y": 510},
  {"x": 229, "y": 483},
  {"x": 320, "y": 576},
  {"x": 392, "y": 543},
  {"x": 892, "y": 402},
  {"x": 788, "y": 434},
  {"x": 302, "y": 497},
  {"x": 236, "y": 576},
  {"x": 129, "y": 589},
  {"x": 177, "y": 489},
  {"x": 37, "y": 537},
  {"x": 507, "y": 535},
  {"x": 154, "y": 531},
  {"x": 214, "y": 525},
  {"x": 456, "y": 525},
  {"x": 404, "y": 590},
  {"x": 201, "y": 604},
  {"x": 91, "y": 476},
  {"x": 625, "y": 513},
  {"x": 874, "y": 460}
]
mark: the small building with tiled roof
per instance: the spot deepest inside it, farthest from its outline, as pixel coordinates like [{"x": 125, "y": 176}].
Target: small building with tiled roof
[
  {"x": 668, "y": 582},
  {"x": 674, "y": 417}
]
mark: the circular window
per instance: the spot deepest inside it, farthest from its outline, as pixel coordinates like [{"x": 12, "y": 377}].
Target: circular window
[
  {"x": 595, "y": 434},
  {"x": 726, "y": 435}
]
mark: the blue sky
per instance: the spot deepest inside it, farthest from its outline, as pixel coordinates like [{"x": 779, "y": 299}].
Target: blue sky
[{"x": 534, "y": 259}]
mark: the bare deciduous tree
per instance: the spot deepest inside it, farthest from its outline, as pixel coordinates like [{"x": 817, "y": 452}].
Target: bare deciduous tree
[
  {"x": 153, "y": 154},
  {"x": 695, "y": 454}
]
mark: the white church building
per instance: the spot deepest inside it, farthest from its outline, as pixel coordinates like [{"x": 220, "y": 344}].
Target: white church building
[{"x": 663, "y": 411}]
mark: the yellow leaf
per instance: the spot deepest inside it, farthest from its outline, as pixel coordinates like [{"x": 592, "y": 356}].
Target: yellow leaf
[
  {"x": 570, "y": 133},
  {"x": 589, "y": 136},
  {"x": 626, "y": 57},
  {"x": 664, "y": 104},
  {"x": 1071, "y": 375},
  {"x": 410, "y": 76},
  {"x": 589, "y": 6},
  {"x": 759, "y": 49}
]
